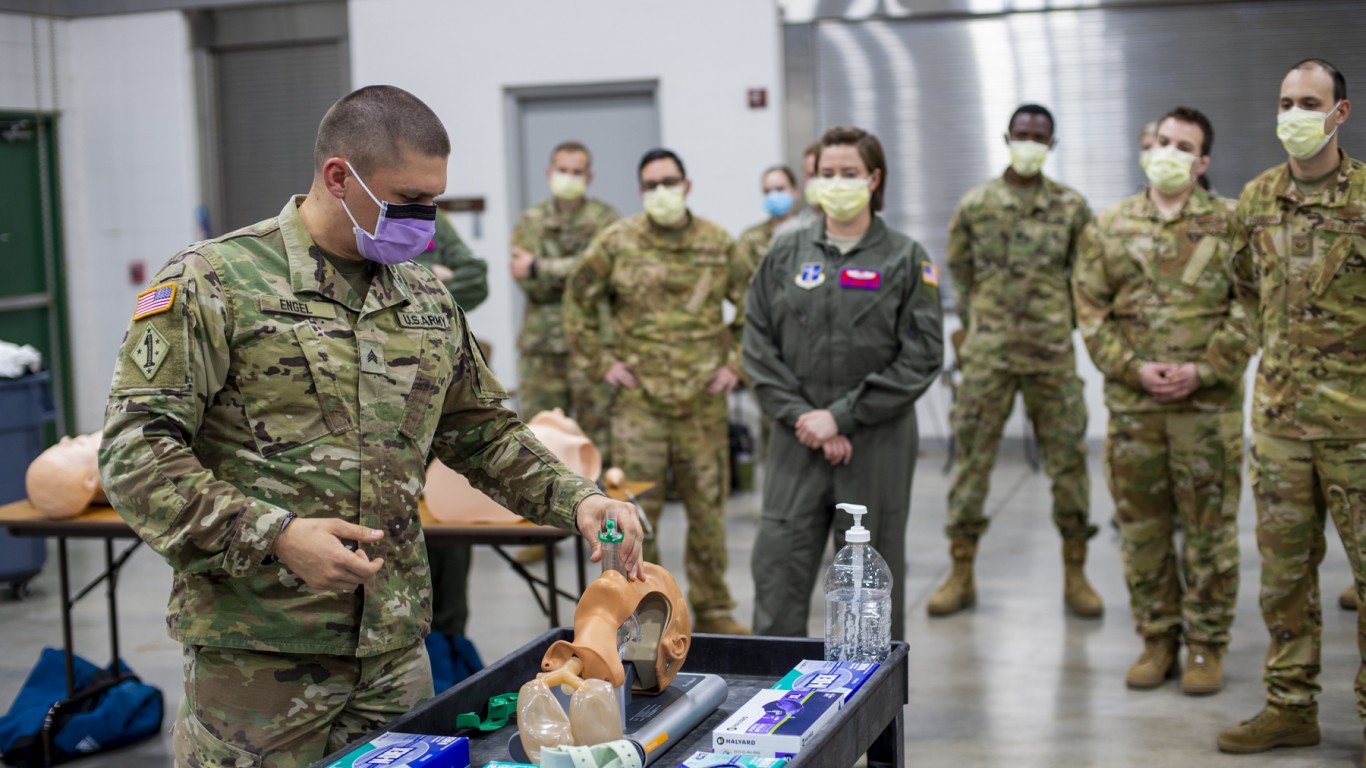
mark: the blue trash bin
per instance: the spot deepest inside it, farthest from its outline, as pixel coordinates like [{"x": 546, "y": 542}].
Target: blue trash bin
[{"x": 25, "y": 410}]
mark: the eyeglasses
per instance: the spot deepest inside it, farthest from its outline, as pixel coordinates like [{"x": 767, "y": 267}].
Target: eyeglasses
[{"x": 668, "y": 181}]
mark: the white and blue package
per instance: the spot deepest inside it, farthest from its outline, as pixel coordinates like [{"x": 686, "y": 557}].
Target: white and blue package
[
  {"x": 844, "y": 677},
  {"x": 392, "y": 750}
]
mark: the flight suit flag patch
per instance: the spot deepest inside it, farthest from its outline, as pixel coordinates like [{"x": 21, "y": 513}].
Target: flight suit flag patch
[{"x": 929, "y": 274}]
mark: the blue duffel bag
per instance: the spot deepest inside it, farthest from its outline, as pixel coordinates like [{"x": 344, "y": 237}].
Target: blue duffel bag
[{"x": 109, "y": 710}]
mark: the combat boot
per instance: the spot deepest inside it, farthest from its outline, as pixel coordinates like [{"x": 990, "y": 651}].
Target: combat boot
[
  {"x": 1076, "y": 591},
  {"x": 1155, "y": 664},
  {"x": 959, "y": 591},
  {"x": 1204, "y": 670},
  {"x": 1348, "y": 598},
  {"x": 1273, "y": 727}
]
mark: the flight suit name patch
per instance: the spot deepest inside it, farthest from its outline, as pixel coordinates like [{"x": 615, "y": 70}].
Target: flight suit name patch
[
  {"x": 296, "y": 307},
  {"x": 417, "y": 320},
  {"x": 865, "y": 279}
]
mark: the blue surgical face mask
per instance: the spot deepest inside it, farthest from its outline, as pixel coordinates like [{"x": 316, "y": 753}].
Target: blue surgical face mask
[
  {"x": 402, "y": 232},
  {"x": 778, "y": 203}
]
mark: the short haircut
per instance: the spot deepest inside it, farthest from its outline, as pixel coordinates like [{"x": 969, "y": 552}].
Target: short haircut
[
  {"x": 784, "y": 170},
  {"x": 571, "y": 146},
  {"x": 373, "y": 126},
  {"x": 869, "y": 151},
  {"x": 1339, "y": 82},
  {"x": 1033, "y": 109},
  {"x": 659, "y": 153},
  {"x": 1195, "y": 116}
]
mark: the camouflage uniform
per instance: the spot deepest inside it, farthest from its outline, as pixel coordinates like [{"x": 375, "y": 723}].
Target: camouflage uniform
[
  {"x": 450, "y": 563},
  {"x": 1302, "y": 272},
  {"x": 268, "y": 386},
  {"x": 470, "y": 284},
  {"x": 665, "y": 289},
  {"x": 1152, "y": 289},
  {"x": 753, "y": 243},
  {"x": 1010, "y": 266},
  {"x": 866, "y": 354},
  {"x": 549, "y": 378}
]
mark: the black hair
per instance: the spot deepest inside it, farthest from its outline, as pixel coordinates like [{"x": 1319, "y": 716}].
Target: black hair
[
  {"x": 371, "y": 127},
  {"x": 1196, "y": 117},
  {"x": 1033, "y": 109},
  {"x": 659, "y": 153},
  {"x": 1339, "y": 81}
]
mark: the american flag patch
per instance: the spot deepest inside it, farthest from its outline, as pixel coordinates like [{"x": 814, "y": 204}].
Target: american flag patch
[
  {"x": 153, "y": 300},
  {"x": 929, "y": 274}
]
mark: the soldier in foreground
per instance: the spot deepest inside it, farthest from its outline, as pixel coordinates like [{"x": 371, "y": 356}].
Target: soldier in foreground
[
  {"x": 273, "y": 407},
  {"x": 1012, "y": 245},
  {"x": 1301, "y": 270},
  {"x": 673, "y": 361},
  {"x": 1155, "y": 303}
]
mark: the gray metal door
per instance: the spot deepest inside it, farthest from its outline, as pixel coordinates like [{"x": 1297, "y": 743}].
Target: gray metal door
[{"x": 617, "y": 123}]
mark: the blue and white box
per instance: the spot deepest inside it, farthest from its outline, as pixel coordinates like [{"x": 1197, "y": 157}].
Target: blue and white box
[
  {"x": 392, "y": 750},
  {"x": 844, "y": 677},
  {"x": 776, "y": 723}
]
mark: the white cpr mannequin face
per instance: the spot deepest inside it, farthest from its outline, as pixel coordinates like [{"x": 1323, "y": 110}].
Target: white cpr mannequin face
[{"x": 65, "y": 479}]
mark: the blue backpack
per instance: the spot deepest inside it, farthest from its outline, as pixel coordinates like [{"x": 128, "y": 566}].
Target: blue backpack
[{"x": 109, "y": 710}]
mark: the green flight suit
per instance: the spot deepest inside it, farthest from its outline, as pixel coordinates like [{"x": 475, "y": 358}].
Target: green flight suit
[{"x": 859, "y": 334}]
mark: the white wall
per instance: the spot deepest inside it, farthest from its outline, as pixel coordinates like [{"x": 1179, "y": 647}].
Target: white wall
[
  {"x": 704, "y": 54},
  {"x": 127, "y": 166}
]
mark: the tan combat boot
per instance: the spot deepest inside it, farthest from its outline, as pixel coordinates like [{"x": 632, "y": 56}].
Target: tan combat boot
[
  {"x": 1348, "y": 598},
  {"x": 959, "y": 591},
  {"x": 1273, "y": 727},
  {"x": 1204, "y": 670},
  {"x": 1155, "y": 664},
  {"x": 1076, "y": 591}
]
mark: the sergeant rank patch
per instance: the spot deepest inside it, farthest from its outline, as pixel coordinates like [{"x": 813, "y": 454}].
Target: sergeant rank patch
[
  {"x": 154, "y": 300},
  {"x": 811, "y": 276},
  {"x": 150, "y": 352}
]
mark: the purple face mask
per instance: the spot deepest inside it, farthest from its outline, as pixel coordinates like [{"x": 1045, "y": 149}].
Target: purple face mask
[{"x": 402, "y": 232}]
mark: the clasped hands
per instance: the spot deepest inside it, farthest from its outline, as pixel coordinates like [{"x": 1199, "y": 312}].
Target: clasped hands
[
  {"x": 721, "y": 381},
  {"x": 818, "y": 430},
  {"x": 1169, "y": 382}
]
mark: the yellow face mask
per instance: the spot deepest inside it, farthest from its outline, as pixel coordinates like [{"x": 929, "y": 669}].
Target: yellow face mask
[
  {"x": 567, "y": 186},
  {"x": 1169, "y": 169},
  {"x": 665, "y": 205},
  {"x": 1301, "y": 131},
  {"x": 1027, "y": 157},
  {"x": 843, "y": 199}
]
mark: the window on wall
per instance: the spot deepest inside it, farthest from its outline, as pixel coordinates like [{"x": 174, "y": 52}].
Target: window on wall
[{"x": 266, "y": 75}]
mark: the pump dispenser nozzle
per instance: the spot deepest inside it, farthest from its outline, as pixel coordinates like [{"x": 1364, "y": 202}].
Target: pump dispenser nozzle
[{"x": 857, "y": 534}]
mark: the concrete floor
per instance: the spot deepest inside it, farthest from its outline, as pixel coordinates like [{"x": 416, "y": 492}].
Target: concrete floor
[{"x": 1012, "y": 682}]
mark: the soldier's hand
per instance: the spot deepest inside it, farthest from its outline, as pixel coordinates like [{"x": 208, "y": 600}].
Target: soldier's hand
[
  {"x": 815, "y": 427},
  {"x": 838, "y": 450},
  {"x": 722, "y": 381},
  {"x": 1153, "y": 377},
  {"x": 442, "y": 272},
  {"x": 1180, "y": 382},
  {"x": 590, "y": 516},
  {"x": 315, "y": 550},
  {"x": 521, "y": 263},
  {"x": 619, "y": 375}
]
